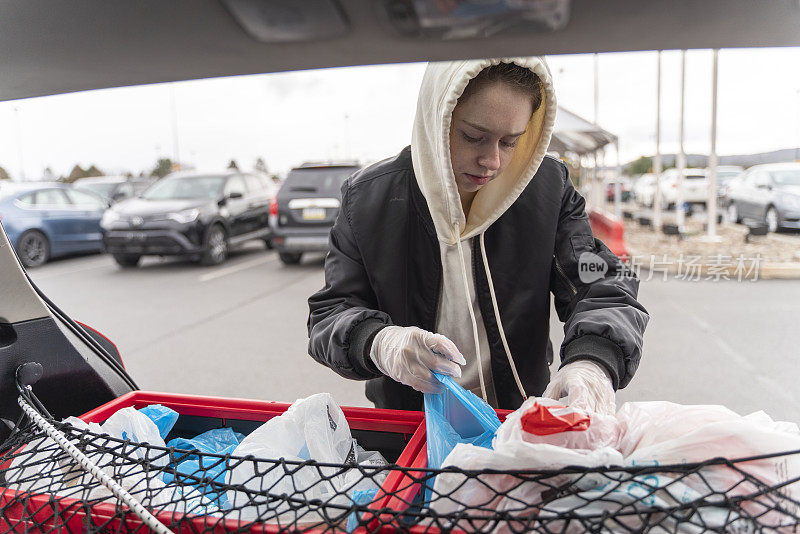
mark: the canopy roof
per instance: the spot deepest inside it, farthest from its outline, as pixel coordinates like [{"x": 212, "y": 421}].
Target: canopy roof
[{"x": 577, "y": 135}]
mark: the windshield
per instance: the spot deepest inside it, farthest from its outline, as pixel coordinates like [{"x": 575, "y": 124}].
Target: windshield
[
  {"x": 102, "y": 189},
  {"x": 318, "y": 179},
  {"x": 786, "y": 177},
  {"x": 189, "y": 187}
]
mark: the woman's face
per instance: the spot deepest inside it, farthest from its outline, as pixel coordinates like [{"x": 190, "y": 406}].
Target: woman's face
[{"x": 484, "y": 133}]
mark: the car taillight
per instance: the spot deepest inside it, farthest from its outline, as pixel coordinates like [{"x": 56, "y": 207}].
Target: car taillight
[{"x": 273, "y": 206}]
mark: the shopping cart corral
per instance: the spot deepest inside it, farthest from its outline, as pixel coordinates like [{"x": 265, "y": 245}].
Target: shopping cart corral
[{"x": 51, "y": 477}]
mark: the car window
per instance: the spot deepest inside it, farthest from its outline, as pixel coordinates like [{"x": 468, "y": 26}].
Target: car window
[
  {"x": 27, "y": 200},
  {"x": 85, "y": 200},
  {"x": 791, "y": 177},
  {"x": 253, "y": 183},
  {"x": 186, "y": 187},
  {"x": 761, "y": 179},
  {"x": 50, "y": 198},
  {"x": 235, "y": 184},
  {"x": 318, "y": 178},
  {"x": 125, "y": 190},
  {"x": 104, "y": 189}
]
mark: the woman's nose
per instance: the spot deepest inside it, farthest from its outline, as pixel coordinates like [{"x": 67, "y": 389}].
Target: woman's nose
[{"x": 490, "y": 159}]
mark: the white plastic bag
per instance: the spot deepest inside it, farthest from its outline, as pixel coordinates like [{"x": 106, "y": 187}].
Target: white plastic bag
[
  {"x": 483, "y": 494},
  {"x": 546, "y": 421},
  {"x": 313, "y": 428},
  {"x": 662, "y": 433}
]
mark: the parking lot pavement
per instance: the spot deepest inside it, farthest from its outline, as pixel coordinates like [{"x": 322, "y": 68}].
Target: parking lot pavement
[{"x": 239, "y": 329}]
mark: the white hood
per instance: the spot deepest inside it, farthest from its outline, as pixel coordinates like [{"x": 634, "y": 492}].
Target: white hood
[{"x": 441, "y": 87}]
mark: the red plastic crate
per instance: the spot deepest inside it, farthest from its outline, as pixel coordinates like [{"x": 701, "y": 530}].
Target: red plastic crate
[{"x": 408, "y": 424}]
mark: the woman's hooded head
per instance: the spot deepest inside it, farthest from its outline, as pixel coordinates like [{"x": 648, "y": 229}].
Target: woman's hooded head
[{"x": 493, "y": 144}]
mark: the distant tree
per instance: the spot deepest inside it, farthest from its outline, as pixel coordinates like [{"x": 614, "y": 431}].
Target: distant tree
[
  {"x": 260, "y": 166},
  {"x": 76, "y": 172},
  {"x": 640, "y": 166},
  {"x": 93, "y": 171},
  {"x": 4, "y": 174},
  {"x": 233, "y": 165},
  {"x": 48, "y": 175},
  {"x": 163, "y": 167}
]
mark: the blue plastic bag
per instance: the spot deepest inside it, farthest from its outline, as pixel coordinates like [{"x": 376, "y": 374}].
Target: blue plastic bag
[
  {"x": 217, "y": 441},
  {"x": 361, "y": 498},
  {"x": 456, "y": 416},
  {"x": 163, "y": 417}
]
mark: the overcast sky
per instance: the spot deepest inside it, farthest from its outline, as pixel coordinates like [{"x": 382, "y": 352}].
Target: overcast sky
[{"x": 366, "y": 113}]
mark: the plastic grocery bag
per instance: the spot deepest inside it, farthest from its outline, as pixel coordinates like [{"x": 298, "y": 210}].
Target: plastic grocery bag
[
  {"x": 662, "y": 433},
  {"x": 163, "y": 417},
  {"x": 456, "y": 416},
  {"x": 542, "y": 420},
  {"x": 485, "y": 494},
  {"x": 313, "y": 428},
  {"x": 217, "y": 441}
]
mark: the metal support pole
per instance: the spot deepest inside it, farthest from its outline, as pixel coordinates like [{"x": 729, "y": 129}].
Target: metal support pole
[
  {"x": 711, "y": 201},
  {"x": 174, "y": 115},
  {"x": 657, "y": 164},
  {"x": 618, "y": 184},
  {"x": 681, "y": 163}
]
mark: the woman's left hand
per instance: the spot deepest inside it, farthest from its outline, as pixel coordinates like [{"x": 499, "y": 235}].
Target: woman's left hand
[{"x": 585, "y": 385}]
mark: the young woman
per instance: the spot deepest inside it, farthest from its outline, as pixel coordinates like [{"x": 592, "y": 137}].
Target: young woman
[{"x": 444, "y": 257}]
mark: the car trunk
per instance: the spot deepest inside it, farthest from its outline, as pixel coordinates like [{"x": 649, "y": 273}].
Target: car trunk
[{"x": 310, "y": 196}]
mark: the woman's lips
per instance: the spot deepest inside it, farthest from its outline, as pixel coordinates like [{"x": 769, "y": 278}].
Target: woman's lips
[{"x": 478, "y": 180}]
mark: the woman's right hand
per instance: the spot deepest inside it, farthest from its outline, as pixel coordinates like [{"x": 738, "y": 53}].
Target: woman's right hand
[{"x": 409, "y": 354}]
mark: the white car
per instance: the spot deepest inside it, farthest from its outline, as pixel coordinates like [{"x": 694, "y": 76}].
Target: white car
[
  {"x": 695, "y": 187},
  {"x": 644, "y": 189}
]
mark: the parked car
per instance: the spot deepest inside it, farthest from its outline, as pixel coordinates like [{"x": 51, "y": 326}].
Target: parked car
[
  {"x": 768, "y": 193},
  {"x": 624, "y": 193},
  {"x": 306, "y": 208},
  {"x": 114, "y": 188},
  {"x": 200, "y": 216},
  {"x": 45, "y": 220},
  {"x": 695, "y": 187}
]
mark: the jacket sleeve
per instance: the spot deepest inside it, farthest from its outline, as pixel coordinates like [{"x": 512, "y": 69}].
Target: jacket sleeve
[
  {"x": 595, "y": 295},
  {"x": 343, "y": 316}
]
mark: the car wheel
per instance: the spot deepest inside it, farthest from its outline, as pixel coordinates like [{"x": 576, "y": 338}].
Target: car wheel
[
  {"x": 772, "y": 219},
  {"x": 127, "y": 260},
  {"x": 733, "y": 213},
  {"x": 216, "y": 246},
  {"x": 290, "y": 258},
  {"x": 33, "y": 248}
]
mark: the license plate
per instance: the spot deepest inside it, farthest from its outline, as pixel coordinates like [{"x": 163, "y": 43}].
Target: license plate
[
  {"x": 313, "y": 214},
  {"x": 135, "y": 236}
]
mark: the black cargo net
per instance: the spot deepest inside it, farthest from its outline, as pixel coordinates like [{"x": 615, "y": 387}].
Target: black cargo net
[{"x": 45, "y": 490}]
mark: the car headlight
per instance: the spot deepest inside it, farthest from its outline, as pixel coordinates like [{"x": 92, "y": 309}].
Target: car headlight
[
  {"x": 109, "y": 216},
  {"x": 185, "y": 216}
]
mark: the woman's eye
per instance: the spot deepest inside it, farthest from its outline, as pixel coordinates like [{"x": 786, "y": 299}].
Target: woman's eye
[
  {"x": 470, "y": 139},
  {"x": 508, "y": 144}
]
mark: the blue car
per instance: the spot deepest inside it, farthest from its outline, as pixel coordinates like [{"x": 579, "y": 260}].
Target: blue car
[{"x": 45, "y": 220}]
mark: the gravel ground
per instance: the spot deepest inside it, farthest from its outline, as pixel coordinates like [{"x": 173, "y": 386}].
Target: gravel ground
[{"x": 771, "y": 256}]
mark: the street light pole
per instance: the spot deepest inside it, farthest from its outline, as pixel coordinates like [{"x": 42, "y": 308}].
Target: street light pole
[
  {"x": 679, "y": 213},
  {"x": 657, "y": 165},
  {"x": 711, "y": 199}
]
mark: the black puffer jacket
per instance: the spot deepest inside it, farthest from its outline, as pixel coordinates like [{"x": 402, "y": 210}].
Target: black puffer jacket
[{"x": 384, "y": 268}]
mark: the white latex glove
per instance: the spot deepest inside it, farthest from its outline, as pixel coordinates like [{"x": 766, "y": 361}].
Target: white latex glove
[
  {"x": 409, "y": 354},
  {"x": 585, "y": 385}
]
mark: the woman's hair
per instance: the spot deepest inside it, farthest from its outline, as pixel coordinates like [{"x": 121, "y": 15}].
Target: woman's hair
[{"x": 512, "y": 74}]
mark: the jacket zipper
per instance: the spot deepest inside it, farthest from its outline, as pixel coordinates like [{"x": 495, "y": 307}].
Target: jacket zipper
[{"x": 564, "y": 275}]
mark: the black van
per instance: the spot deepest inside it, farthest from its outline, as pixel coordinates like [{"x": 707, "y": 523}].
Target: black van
[{"x": 306, "y": 208}]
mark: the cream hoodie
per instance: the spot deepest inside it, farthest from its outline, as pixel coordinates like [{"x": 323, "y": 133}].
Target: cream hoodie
[{"x": 458, "y": 315}]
